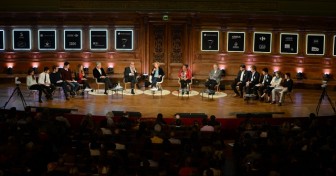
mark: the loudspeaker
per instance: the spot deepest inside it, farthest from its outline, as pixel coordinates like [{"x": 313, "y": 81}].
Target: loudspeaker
[
  {"x": 134, "y": 114},
  {"x": 254, "y": 115},
  {"x": 192, "y": 115},
  {"x": 118, "y": 113}
]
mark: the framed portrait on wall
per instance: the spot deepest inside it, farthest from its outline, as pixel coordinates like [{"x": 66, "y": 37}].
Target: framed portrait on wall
[
  {"x": 47, "y": 39},
  {"x": 21, "y": 39},
  {"x": 289, "y": 43},
  {"x": 98, "y": 39},
  {"x": 334, "y": 45},
  {"x": 209, "y": 41},
  {"x": 73, "y": 39},
  {"x": 262, "y": 42},
  {"x": 236, "y": 41},
  {"x": 123, "y": 39},
  {"x": 2, "y": 40},
  {"x": 315, "y": 44}
]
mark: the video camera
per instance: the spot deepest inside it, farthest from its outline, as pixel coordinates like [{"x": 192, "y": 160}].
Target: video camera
[
  {"x": 324, "y": 84},
  {"x": 17, "y": 81}
]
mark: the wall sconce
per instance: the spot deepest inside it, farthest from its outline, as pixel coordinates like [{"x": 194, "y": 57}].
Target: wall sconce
[
  {"x": 299, "y": 75},
  {"x": 10, "y": 70},
  {"x": 86, "y": 70},
  {"x": 223, "y": 72},
  {"x": 35, "y": 70},
  {"x": 110, "y": 70},
  {"x": 326, "y": 76}
]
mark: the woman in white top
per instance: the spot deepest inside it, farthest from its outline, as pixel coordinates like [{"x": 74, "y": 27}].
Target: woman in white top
[
  {"x": 33, "y": 85},
  {"x": 276, "y": 81}
]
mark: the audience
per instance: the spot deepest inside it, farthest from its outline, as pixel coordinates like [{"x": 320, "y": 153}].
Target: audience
[{"x": 39, "y": 144}]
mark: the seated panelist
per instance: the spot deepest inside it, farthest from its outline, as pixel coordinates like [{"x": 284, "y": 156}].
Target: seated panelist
[
  {"x": 66, "y": 74},
  {"x": 240, "y": 81},
  {"x": 184, "y": 76},
  {"x": 44, "y": 79},
  {"x": 100, "y": 75},
  {"x": 80, "y": 77},
  {"x": 265, "y": 81},
  {"x": 287, "y": 86},
  {"x": 33, "y": 85},
  {"x": 253, "y": 80},
  {"x": 214, "y": 77},
  {"x": 157, "y": 75},
  {"x": 131, "y": 75},
  {"x": 56, "y": 80}
]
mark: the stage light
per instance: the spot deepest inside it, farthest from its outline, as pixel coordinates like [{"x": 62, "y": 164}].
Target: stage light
[
  {"x": 86, "y": 70},
  {"x": 110, "y": 70},
  {"x": 9, "y": 70},
  {"x": 35, "y": 70},
  {"x": 223, "y": 72},
  {"x": 299, "y": 75},
  {"x": 326, "y": 76}
]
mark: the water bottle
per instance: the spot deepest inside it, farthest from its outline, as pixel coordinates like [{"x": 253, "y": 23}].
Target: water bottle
[{"x": 118, "y": 85}]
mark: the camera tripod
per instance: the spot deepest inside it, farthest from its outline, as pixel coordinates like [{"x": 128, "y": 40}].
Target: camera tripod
[
  {"x": 324, "y": 93},
  {"x": 18, "y": 91}
]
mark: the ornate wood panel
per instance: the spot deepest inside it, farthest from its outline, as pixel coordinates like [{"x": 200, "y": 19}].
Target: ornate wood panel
[{"x": 166, "y": 46}]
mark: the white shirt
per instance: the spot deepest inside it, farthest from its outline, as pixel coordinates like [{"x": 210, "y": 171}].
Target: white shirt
[
  {"x": 242, "y": 75},
  {"x": 30, "y": 81},
  {"x": 44, "y": 78},
  {"x": 252, "y": 78}
]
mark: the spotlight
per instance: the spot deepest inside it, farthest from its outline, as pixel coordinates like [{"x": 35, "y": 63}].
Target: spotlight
[
  {"x": 86, "y": 70},
  {"x": 10, "y": 70},
  {"x": 223, "y": 72},
  {"x": 326, "y": 76},
  {"x": 35, "y": 70},
  {"x": 299, "y": 75},
  {"x": 110, "y": 70}
]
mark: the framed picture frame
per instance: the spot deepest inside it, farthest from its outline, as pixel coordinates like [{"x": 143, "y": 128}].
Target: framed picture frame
[
  {"x": 236, "y": 41},
  {"x": 21, "y": 39},
  {"x": 334, "y": 45},
  {"x": 315, "y": 44},
  {"x": 98, "y": 39},
  {"x": 2, "y": 40},
  {"x": 73, "y": 39},
  {"x": 210, "y": 41},
  {"x": 123, "y": 39},
  {"x": 47, "y": 39},
  {"x": 262, "y": 42},
  {"x": 289, "y": 43}
]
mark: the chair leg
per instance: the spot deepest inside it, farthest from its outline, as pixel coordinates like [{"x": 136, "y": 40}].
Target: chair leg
[{"x": 290, "y": 97}]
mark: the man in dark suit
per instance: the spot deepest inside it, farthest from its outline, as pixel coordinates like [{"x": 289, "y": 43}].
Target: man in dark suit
[
  {"x": 100, "y": 75},
  {"x": 265, "y": 81},
  {"x": 130, "y": 75},
  {"x": 252, "y": 81},
  {"x": 240, "y": 81}
]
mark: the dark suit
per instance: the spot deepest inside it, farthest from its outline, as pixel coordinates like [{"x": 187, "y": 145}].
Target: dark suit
[
  {"x": 130, "y": 78},
  {"x": 240, "y": 81},
  {"x": 54, "y": 77},
  {"x": 265, "y": 80},
  {"x": 253, "y": 80},
  {"x": 105, "y": 80},
  {"x": 157, "y": 79}
]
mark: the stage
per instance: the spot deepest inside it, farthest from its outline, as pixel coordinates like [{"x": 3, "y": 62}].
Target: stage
[{"x": 225, "y": 105}]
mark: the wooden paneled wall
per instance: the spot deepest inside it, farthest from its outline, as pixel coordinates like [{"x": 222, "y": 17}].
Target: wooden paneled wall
[{"x": 180, "y": 39}]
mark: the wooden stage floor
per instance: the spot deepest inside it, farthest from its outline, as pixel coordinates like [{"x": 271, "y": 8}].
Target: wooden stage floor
[{"x": 305, "y": 102}]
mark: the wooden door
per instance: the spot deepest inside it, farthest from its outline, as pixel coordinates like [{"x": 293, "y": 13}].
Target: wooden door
[{"x": 167, "y": 46}]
